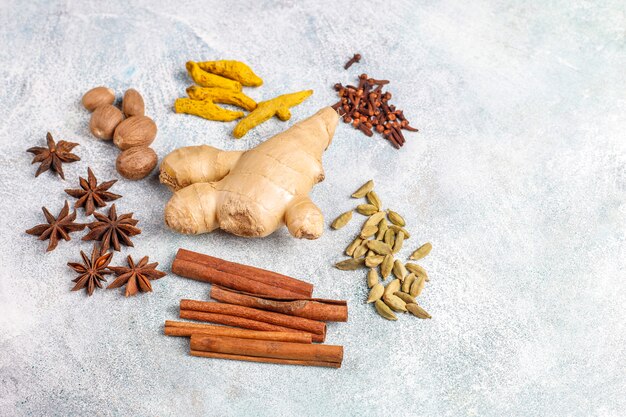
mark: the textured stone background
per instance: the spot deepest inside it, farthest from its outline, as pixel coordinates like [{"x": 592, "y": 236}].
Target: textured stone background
[{"x": 518, "y": 177}]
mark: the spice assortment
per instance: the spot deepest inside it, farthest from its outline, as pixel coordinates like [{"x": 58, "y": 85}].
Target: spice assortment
[
  {"x": 129, "y": 128},
  {"x": 255, "y": 192},
  {"x": 381, "y": 237},
  {"x": 221, "y": 82},
  {"x": 366, "y": 106},
  {"x": 270, "y": 317}
]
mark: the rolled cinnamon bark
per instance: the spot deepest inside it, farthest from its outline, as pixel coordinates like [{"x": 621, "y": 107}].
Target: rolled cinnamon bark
[
  {"x": 202, "y": 272},
  {"x": 284, "y": 320},
  {"x": 267, "y": 349},
  {"x": 314, "y": 309},
  {"x": 253, "y": 273},
  {"x": 241, "y": 323},
  {"x": 183, "y": 328},
  {"x": 263, "y": 360}
]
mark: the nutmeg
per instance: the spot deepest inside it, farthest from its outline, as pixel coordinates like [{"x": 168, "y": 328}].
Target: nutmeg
[
  {"x": 104, "y": 120},
  {"x": 136, "y": 163},
  {"x": 97, "y": 97},
  {"x": 132, "y": 104},
  {"x": 135, "y": 131}
]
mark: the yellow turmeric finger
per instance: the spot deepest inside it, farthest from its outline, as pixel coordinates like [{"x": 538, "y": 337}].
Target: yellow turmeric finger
[
  {"x": 265, "y": 110},
  {"x": 221, "y": 95},
  {"x": 205, "y": 109},
  {"x": 206, "y": 79},
  {"x": 234, "y": 70}
]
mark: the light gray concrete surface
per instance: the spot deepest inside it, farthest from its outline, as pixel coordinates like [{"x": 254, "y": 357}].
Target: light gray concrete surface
[{"x": 518, "y": 178}]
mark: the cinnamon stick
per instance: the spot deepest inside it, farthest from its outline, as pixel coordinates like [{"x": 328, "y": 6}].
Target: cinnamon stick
[
  {"x": 314, "y": 309},
  {"x": 241, "y": 323},
  {"x": 256, "y": 274},
  {"x": 201, "y": 272},
  {"x": 263, "y": 360},
  {"x": 267, "y": 349},
  {"x": 284, "y": 320},
  {"x": 183, "y": 328}
]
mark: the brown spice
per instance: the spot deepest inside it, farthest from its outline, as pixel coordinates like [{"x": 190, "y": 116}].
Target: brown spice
[
  {"x": 56, "y": 228},
  {"x": 92, "y": 270},
  {"x": 136, "y": 277},
  {"x": 355, "y": 58},
  {"x": 91, "y": 195},
  {"x": 367, "y": 109},
  {"x": 53, "y": 156},
  {"x": 112, "y": 230}
]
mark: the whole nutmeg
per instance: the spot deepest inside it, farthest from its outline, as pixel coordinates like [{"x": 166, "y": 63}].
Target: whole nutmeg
[
  {"x": 136, "y": 163},
  {"x": 132, "y": 104},
  {"x": 97, "y": 97},
  {"x": 104, "y": 120},
  {"x": 135, "y": 131}
]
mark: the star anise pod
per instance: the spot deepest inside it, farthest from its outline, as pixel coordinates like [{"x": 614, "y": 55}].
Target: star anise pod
[
  {"x": 53, "y": 156},
  {"x": 92, "y": 270},
  {"x": 91, "y": 195},
  {"x": 56, "y": 228},
  {"x": 137, "y": 277},
  {"x": 112, "y": 230}
]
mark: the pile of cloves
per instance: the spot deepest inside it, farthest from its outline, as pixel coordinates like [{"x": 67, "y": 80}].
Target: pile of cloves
[{"x": 367, "y": 107}]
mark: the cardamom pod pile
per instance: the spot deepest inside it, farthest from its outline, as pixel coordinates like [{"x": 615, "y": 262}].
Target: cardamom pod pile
[{"x": 381, "y": 238}]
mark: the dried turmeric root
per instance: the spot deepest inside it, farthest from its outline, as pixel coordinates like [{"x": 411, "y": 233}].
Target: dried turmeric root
[
  {"x": 205, "y": 109},
  {"x": 265, "y": 110},
  {"x": 221, "y": 95},
  {"x": 234, "y": 70},
  {"x": 206, "y": 79},
  {"x": 255, "y": 192}
]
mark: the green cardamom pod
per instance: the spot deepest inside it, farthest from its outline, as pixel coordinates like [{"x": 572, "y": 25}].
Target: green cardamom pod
[
  {"x": 361, "y": 250},
  {"x": 384, "y": 310},
  {"x": 397, "y": 245},
  {"x": 350, "y": 264},
  {"x": 395, "y": 218},
  {"x": 373, "y": 261},
  {"x": 386, "y": 266},
  {"x": 364, "y": 189},
  {"x": 375, "y": 219},
  {"x": 399, "y": 270},
  {"x": 366, "y": 209},
  {"x": 372, "y": 278},
  {"x": 417, "y": 311},
  {"x": 352, "y": 246},
  {"x": 399, "y": 229},
  {"x": 417, "y": 270},
  {"x": 375, "y": 293},
  {"x": 368, "y": 231},
  {"x": 417, "y": 287},
  {"x": 342, "y": 220},
  {"x": 392, "y": 287},
  {"x": 394, "y": 302},
  {"x": 406, "y": 284},
  {"x": 421, "y": 252},
  {"x": 405, "y": 297},
  {"x": 389, "y": 238},
  {"x": 373, "y": 199},
  {"x": 382, "y": 228},
  {"x": 380, "y": 248}
]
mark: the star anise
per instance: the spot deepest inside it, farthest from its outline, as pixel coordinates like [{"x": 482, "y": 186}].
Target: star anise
[
  {"x": 91, "y": 195},
  {"x": 112, "y": 230},
  {"x": 53, "y": 156},
  {"x": 137, "y": 277},
  {"x": 56, "y": 228},
  {"x": 92, "y": 270}
]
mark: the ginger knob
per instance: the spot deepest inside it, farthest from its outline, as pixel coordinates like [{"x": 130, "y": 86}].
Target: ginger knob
[
  {"x": 104, "y": 120},
  {"x": 97, "y": 97}
]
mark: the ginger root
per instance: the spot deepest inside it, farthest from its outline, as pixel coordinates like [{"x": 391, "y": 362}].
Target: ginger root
[
  {"x": 205, "y": 109},
  {"x": 251, "y": 193},
  {"x": 265, "y": 110},
  {"x": 234, "y": 70},
  {"x": 221, "y": 95},
  {"x": 206, "y": 79}
]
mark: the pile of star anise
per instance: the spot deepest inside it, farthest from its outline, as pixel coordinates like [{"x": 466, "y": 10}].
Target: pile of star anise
[{"x": 109, "y": 231}]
